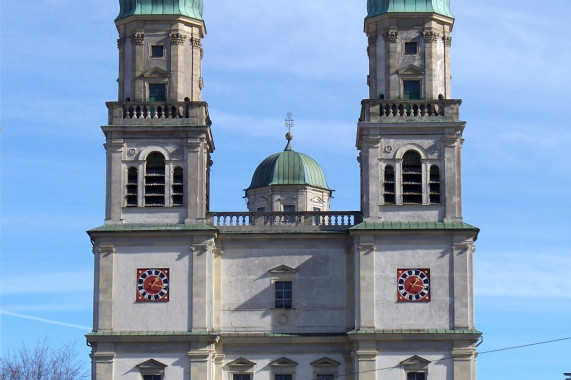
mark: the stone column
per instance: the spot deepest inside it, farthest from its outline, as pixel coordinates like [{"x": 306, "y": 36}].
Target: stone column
[
  {"x": 137, "y": 65},
  {"x": 392, "y": 81},
  {"x": 431, "y": 58},
  {"x": 447, "y": 40},
  {"x": 121, "y": 47},
  {"x": 372, "y": 54},
  {"x": 103, "y": 302},
  {"x": 176, "y": 84},
  {"x": 197, "y": 53},
  {"x": 197, "y": 159},
  {"x": 114, "y": 184},
  {"x": 370, "y": 172}
]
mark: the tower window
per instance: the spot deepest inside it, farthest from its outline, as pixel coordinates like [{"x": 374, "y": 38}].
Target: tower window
[
  {"x": 155, "y": 180},
  {"x": 411, "y": 178},
  {"x": 410, "y": 48},
  {"x": 132, "y": 187},
  {"x": 389, "y": 185},
  {"x": 434, "y": 185},
  {"x": 411, "y": 89},
  {"x": 283, "y": 377},
  {"x": 157, "y": 51},
  {"x": 157, "y": 92},
  {"x": 283, "y": 294},
  {"x": 177, "y": 187},
  {"x": 241, "y": 377},
  {"x": 152, "y": 377}
]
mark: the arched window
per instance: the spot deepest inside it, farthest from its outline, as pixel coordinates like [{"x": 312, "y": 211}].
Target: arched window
[
  {"x": 411, "y": 178},
  {"x": 177, "y": 187},
  {"x": 132, "y": 187},
  {"x": 155, "y": 180},
  {"x": 389, "y": 185},
  {"x": 434, "y": 185}
]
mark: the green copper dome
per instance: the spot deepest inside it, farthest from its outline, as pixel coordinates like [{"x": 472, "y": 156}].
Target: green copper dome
[
  {"x": 288, "y": 168},
  {"x": 379, "y": 7},
  {"x": 189, "y": 8}
]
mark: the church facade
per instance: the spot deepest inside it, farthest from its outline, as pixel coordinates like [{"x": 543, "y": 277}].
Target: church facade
[{"x": 287, "y": 290}]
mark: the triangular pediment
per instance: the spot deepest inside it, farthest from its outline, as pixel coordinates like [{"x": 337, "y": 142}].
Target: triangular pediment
[
  {"x": 242, "y": 363},
  {"x": 411, "y": 70},
  {"x": 415, "y": 363},
  {"x": 325, "y": 362},
  {"x": 283, "y": 269},
  {"x": 152, "y": 364},
  {"x": 156, "y": 72},
  {"x": 317, "y": 200},
  {"x": 283, "y": 362}
]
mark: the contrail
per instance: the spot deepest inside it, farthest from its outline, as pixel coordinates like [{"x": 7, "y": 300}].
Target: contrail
[{"x": 45, "y": 320}]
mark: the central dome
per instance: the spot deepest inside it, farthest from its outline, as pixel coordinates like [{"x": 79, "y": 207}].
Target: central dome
[
  {"x": 379, "y": 7},
  {"x": 288, "y": 168},
  {"x": 189, "y": 8}
]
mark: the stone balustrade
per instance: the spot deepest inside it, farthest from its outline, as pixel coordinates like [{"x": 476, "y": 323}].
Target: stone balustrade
[
  {"x": 183, "y": 113},
  {"x": 391, "y": 111},
  {"x": 305, "y": 220}
]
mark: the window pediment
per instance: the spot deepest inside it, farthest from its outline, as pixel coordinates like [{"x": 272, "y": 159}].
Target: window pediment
[
  {"x": 151, "y": 367},
  {"x": 241, "y": 364},
  {"x": 415, "y": 363},
  {"x": 282, "y": 269},
  {"x": 156, "y": 72},
  {"x": 411, "y": 70},
  {"x": 325, "y": 362},
  {"x": 283, "y": 363}
]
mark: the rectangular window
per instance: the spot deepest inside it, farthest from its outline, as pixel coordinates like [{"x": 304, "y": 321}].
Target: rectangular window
[
  {"x": 283, "y": 377},
  {"x": 283, "y": 294},
  {"x": 152, "y": 377},
  {"x": 410, "y": 48},
  {"x": 157, "y": 92},
  {"x": 415, "y": 376},
  {"x": 411, "y": 89},
  {"x": 261, "y": 209},
  {"x": 241, "y": 377},
  {"x": 157, "y": 51},
  {"x": 325, "y": 377}
]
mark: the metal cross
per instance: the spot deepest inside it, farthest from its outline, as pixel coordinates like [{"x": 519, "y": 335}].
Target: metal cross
[{"x": 289, "y": 122}]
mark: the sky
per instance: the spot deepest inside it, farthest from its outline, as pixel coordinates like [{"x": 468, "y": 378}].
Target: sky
[{"x": 262, "y": 59}]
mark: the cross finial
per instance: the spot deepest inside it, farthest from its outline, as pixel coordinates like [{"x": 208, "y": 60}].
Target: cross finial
[{"x": 289, "y": 122}]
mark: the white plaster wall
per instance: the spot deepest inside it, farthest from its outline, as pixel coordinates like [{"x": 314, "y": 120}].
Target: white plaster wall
[
  {"x": 412, "y": 253},
  {"x": 319, "y": 288},
  {"x": 177, "y": 364},
  {"x": 129, "y": 315}
]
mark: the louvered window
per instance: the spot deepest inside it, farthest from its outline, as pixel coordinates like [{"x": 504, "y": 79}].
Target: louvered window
[
  {"x": 155, "y": 180},
  {"x": 411, "y": 178},
  {"x": 389, "y": 185},
  {"x": 132, "y": 187},
  {"x": 434, "y": 185},
  {"x": 177, "y": 187}
]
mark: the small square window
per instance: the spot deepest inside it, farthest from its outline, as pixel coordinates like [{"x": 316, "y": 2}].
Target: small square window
[
  {"x": 157, "y": 51},
  {"x": 283, "y": 294},
  {"x": 416, "y": 376},
  {"x": 410, "y": 48}
]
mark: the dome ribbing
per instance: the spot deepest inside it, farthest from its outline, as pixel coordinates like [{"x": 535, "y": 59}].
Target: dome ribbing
[
  {"x": 189, "y": 8},
  {"x": 379, "y": 7}
]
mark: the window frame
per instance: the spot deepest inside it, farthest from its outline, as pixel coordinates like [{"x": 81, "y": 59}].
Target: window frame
[
  {"x": 409, "y": 43},
  {"x": 284, "y": 304},
  {"x": 152, "y": 50}
]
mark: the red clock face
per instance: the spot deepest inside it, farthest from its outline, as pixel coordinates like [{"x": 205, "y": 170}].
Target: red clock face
[
  {"x": 413, "y": 285},
  {"x": 153, "y": 284}
]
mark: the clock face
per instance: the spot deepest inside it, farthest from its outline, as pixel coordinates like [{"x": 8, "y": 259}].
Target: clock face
[
  {"x": 153, "y": 284},
  {"x": 413, "y": 285}
]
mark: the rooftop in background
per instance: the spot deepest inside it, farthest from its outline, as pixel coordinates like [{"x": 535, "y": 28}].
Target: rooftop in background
[
  {"x": 189, "y": 8},
  {"x": 379, "y": 7}
]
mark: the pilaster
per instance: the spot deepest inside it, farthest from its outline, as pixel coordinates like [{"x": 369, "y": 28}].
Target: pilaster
[
  {"x": 464, "y": 357},
  {"x": 114, "y": 190},
  {"x": 197, "y": 53},
  {"x": 453, "y": 178},
  {"x": 462, "y": 255},
  {"x": 431, "y": 56},
  {"x": 202, "y": 289},
  {"x": 366, "y": 358},
  {"x": 103, "y": 308},
  {"x": 102, "y": 362},
  {"x": 365, "y": 284},
  {"x": 177, "y": 62},
  {"x": 196, "y": 181},
  {"x": 372, "y": 54},
  {"x": 137, "y": 64},
  {"x": 201, "y": 362},
  {"x": 392, "y": 81}
]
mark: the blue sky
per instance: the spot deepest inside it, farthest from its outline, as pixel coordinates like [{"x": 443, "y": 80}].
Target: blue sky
[{"x": 510, "y": 65}]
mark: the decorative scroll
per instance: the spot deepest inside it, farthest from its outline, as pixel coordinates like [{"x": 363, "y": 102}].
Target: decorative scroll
[
  {"x": 138, "y": 39},
  {"x": 430, "y": 37},
  {"x": 391, "y": 36},
  {"x": 447, "y": 40},
  {"x": 177, "y": 38}
]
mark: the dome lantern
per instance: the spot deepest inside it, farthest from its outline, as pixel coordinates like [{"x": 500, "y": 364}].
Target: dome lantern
[{"x": 380, "y": 7}]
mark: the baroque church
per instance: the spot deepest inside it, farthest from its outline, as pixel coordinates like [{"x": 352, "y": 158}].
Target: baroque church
[{"x": 289, "y": 289}]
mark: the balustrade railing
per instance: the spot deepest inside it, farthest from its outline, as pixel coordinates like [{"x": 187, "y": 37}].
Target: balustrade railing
[
  {"x": 322, "y": 220},
  {"x": 374, "y": 110},
  {"x": 153, "y": 112}
]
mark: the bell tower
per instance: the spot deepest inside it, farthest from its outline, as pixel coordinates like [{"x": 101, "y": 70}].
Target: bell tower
[
  {"x": 158, "y": 134},
  {"x": 409, "y": 133}
]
